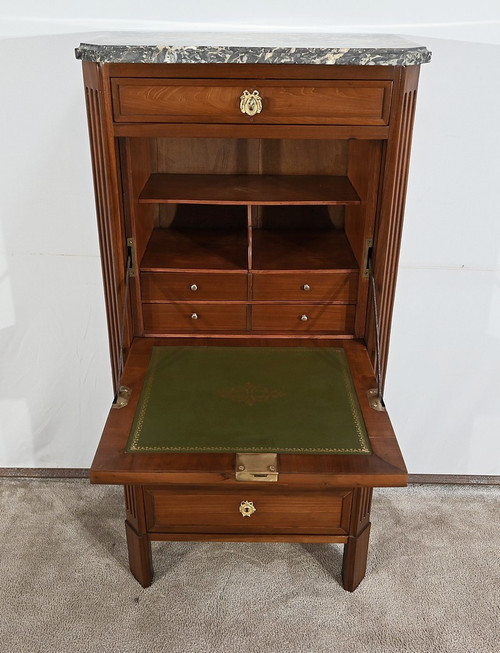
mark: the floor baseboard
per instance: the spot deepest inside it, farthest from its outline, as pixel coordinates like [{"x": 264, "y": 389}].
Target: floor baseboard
[
  {"x": 453, "y": 479},
  {"x": 71, "y": 472},
  {"x": 43, "y": 472}
]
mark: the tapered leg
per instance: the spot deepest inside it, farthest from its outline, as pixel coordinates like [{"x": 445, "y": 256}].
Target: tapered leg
[
  {"x": 139, "y": 556},
  {"x": 139, "y": 546},
  {"x": 356, "y": 548},
  {"x": 355, "y": 558}
]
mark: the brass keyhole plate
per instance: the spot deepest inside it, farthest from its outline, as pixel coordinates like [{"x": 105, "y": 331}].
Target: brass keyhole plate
[{"x": 247, "y": 508}]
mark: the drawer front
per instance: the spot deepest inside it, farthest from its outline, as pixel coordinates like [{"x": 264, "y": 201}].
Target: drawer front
[
  {"x": 171, "y": 286},
  {"x": 302, "y": 317},
  {"x": 338, "y": 286},
  {"x": 320, "y": 102},
  {"x": 192, "y": 318},
  {"x": 217, "y": 510}
]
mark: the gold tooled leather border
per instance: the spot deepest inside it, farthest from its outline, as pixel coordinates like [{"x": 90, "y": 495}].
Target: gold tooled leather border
[{"x": 134, "y": 447}]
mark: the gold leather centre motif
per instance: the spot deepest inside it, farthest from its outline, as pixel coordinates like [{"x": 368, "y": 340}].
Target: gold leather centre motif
[{"x": 250, "y": 394}]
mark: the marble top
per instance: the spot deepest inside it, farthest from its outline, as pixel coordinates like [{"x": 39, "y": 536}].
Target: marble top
[{"x": 260, "y": 48}]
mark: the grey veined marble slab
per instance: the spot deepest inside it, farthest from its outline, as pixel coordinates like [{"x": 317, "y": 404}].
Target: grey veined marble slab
[{"x": 261, "y": 48}]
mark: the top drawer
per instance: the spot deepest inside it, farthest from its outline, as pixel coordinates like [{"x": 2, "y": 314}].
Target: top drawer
[{"x": 320, "y": 102}]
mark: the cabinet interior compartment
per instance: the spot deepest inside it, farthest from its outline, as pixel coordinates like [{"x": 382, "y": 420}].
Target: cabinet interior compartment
[{"x": 250, "y": 235}]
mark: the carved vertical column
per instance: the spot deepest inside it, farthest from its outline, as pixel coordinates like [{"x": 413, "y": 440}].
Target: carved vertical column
[
  {"x": 356, "y": 548},
  {"x": 139, "y": 546},
  {"x": 108, "y": 204},
  {"x": 391, "y": 209}
]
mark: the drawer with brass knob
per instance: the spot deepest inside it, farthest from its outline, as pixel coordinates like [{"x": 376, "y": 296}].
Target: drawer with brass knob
[
  {"x": 338, "y": 318},
  {"x": 305, "y": 286},
  {"x": 292, "y": 102},
  {"x": 184, "y": 317},
  {"x": 209, "y": 509},
  {"x": 187, "y": 286}
]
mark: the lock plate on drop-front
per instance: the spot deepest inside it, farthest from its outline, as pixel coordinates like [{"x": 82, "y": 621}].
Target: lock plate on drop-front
[{"x": 259, "y": 467}]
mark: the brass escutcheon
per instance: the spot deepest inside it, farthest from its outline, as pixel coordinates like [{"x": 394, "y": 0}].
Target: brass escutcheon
[
  {"x": 250, "y": 103},
  {"x": 247, "y": 508}
]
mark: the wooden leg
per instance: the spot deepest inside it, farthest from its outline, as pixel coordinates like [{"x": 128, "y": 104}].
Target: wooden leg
[
  {"x": 356, "y": 548},
  {"x": 355, "y": 557},
  {"x": 139, "y": 556},
  {"x": 139, "y": 546}
]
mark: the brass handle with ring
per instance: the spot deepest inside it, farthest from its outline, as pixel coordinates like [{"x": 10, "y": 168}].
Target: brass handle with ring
[
  {"x": 247, "y": 508},
  {"x": 250, "y": 103}
]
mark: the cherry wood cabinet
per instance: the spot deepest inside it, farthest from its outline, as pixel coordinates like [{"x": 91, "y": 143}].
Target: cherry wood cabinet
[{"x": 249, "y": 230}]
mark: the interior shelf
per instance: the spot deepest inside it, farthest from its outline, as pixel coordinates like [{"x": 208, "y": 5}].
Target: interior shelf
[
  {"x": 193, "y": 249},
  {"x": 300, "y": 249},
  {"x": 248, "y": 189}
]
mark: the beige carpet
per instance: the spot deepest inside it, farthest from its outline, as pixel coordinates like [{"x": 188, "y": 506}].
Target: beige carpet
[{"x": 432, "y": 583}]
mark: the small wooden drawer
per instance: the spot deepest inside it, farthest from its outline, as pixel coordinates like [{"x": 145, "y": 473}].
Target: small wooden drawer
[
  {"x": 301, "y": 317},
  {"x": 183, "y": 286},
  {"x": 217, "y": 510},
  {"x": 162, "y": 318},
  {"x": 320, "y": 102},
  {"x": 305, "y": 286}
]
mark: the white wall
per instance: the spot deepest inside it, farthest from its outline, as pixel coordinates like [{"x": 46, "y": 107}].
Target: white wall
[{"x": 443, "y": 383}]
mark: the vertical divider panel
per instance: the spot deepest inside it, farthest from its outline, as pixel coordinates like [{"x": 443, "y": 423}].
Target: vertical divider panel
[{"x": 250, "y": 211}]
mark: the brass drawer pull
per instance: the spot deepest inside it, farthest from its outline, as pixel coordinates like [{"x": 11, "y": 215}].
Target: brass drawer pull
[
  {"x": 304, "y": 318},
  {"x": 306, "y": 287},
  {"x": 194, "y": 287},
  {"x": 194, "y": 316},
  {"x": 250, "y": 103},
  {"x": 247, "y": 508}
]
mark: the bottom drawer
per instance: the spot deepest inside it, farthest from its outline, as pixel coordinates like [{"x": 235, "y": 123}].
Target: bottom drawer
[
  {"x": 217, "y": 510},
  {"x": 297, "y": 317},
  {"x": 160, "y": 318}
]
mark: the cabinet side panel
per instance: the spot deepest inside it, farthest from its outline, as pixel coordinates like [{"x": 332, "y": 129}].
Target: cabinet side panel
[
  {"x": 391, "y": 210},
  {"x": 105, "y": 175}
]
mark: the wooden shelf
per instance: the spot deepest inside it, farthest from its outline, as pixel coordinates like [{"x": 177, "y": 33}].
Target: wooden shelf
[
  {"x": 248, "y": 189},
  {"x": 193, "y": 249},
  {"x": 298, "y": 249}
]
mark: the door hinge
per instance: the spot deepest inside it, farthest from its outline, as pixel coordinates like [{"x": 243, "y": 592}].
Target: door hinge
[
  {"x": 122, "y": 398},
  {"x": 375, "y": 400},
  {"x": 131, "y": 257},
  {"x": 367, "y": 257},
  {"x": 257, "y": 467}
]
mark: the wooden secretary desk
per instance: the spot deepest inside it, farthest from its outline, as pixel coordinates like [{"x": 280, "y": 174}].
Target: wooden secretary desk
[{"x": 250, "y": 201}]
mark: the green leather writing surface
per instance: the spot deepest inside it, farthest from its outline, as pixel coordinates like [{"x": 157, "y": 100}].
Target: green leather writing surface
[{"x": 248, "y": 399}]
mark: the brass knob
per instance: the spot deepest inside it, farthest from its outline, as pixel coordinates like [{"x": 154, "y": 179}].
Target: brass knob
[
  {"x": 194, "y": 287},
  {"x": 247, "y": 508},
  {"x": 250, "y": 103},
  {"x": 306, "y": 287},
  {"x": 194, "y": 316},
  {"x": 304, "y": 318}
]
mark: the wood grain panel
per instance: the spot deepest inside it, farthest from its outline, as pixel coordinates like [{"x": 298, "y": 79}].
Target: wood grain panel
[
  {"x": 336, "y": 102},
  {"x": 183, "y": 286},
  {"x": 108, "y": 208},
  {"x": 162, "y": 318},
  {"x": 212, "y": 509},
  {"x": 302, "y": 249},
  {"x": 390, "y": 219},
  {"x": 249, "y": 189},
  {"x": 306, "y": 286},
  {"x": 195, "y": 249},
  {"x": 337, "y": 318}
]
